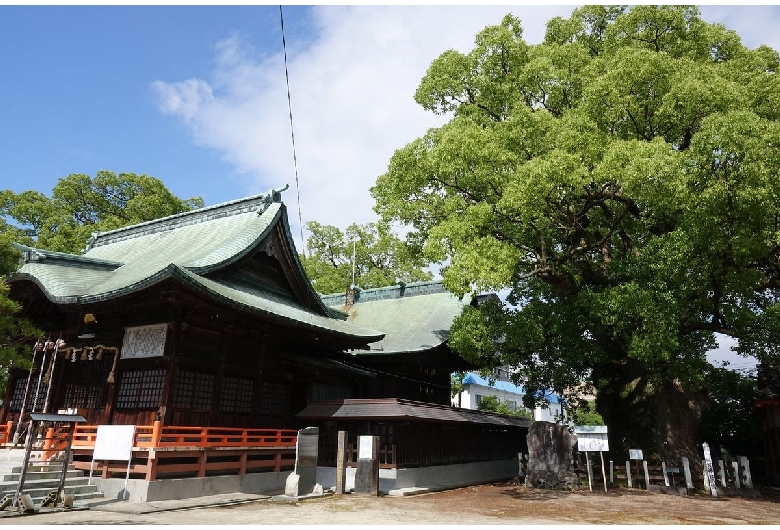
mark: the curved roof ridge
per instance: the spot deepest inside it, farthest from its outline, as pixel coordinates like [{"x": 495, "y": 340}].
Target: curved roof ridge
[
  {"x": 39, "y": 254},
  {"x": 257, "y": 203}
]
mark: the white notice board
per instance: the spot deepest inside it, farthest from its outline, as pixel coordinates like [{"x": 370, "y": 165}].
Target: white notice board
[
  {"x": 114, "y": 442},
  {"x": 592, "y": 438},
  {"x": 365, "y": 447}
]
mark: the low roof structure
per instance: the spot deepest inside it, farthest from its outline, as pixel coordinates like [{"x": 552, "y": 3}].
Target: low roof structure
[
  {"x": 415, "y": 318},
  {"x": 404, "y": 410}
]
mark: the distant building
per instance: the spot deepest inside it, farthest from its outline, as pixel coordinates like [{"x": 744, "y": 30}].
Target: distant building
[{"x": 476, "y": 388}]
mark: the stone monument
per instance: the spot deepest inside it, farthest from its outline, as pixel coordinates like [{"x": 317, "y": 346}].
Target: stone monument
[{"x": 550, "y": 449}]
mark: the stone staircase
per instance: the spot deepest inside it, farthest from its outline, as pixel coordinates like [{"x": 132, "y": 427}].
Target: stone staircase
[{"x": 42, "y": 477}]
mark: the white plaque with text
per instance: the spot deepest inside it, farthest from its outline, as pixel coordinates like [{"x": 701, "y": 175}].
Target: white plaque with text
[{"x": 144, "y": 341}]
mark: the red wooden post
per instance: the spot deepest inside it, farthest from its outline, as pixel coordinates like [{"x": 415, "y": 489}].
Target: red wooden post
[{"x": 156, "y": 430}]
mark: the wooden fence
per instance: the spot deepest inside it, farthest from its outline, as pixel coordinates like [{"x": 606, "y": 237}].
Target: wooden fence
[{"x": 641, "y": 475}]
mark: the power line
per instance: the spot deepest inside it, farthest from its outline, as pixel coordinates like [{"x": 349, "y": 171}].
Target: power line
[{"x": 292, "y": 132}]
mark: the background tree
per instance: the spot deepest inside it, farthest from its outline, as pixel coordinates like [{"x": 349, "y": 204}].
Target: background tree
[
  {"x": 585, "y": 414},
  {"x": 381, "y": 257},
  {"x": 491, "y": 403},
  {"x": 620, "y": 180},
  {"x": 78, "y": 206}
]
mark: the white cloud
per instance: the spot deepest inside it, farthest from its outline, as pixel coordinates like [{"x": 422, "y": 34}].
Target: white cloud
[
  {"x": 352, "y": 93},
  {"x": 183, "y": 99},
  {"x": 352, "y": 100}
]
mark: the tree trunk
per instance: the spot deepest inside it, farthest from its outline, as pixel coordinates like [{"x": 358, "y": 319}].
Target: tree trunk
[{"x": 663, "y": 421}]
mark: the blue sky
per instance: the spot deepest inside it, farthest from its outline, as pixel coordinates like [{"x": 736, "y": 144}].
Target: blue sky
[{"x": 196, "y": 95}]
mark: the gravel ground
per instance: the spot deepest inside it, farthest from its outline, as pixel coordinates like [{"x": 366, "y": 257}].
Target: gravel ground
[{"x": 483, "y": 505}]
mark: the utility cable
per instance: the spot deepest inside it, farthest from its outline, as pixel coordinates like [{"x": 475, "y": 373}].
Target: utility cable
[{"x": 292, "y": 132}]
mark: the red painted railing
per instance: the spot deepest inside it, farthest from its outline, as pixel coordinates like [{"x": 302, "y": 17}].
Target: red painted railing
[
  {"x": 5, "y": 432},
  {"x": 191, "y": 451},
  {"x": 156, "y": 435}
]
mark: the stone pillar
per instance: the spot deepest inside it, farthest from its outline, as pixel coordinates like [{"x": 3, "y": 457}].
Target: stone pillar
[
  {"x": 367, "y": 472},
  {"x": 628, "y": 473},
  {"x": 744, "y": 465},
  {"x": 687, "y": 472},
  {"x": 306, "y": 459}
]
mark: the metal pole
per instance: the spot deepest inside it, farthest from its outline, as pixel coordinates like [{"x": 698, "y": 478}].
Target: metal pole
[
  {"x": 65, "y": 463},
  {"x": 26, "y": 394}
]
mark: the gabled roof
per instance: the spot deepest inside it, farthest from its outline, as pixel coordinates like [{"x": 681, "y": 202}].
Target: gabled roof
[
  {"x": 198, "y": 249},
  {"x": 415, "y": 317},
  {"x": 404, "y": 410}
]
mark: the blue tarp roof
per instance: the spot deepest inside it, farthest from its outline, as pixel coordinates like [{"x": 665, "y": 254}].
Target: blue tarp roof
[{"x": 475, "y": 379}]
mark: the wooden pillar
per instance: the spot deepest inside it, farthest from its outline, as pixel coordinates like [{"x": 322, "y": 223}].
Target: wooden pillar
[
  {"x": 341, "y": 463},
  {"x": 171, "y": 368},
  {"x": 202, "y": 463},
  {"x": 242, "y": 469},
  {"x": 151, "y": 466},
  {"x": 647, "y": 475}
]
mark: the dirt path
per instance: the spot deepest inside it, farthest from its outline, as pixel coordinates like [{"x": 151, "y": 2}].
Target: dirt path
[{"x": 484, "y": 505}]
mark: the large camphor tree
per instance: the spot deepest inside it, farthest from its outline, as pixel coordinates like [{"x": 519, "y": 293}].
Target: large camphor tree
[{"x": 621, "y": 182}]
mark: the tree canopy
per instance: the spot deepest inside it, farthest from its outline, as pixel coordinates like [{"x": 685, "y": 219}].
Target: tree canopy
[
  {"x": 381, "y": 258},
  {"x": 78, "y": 206},
  {"x": 620, "y": 181}
]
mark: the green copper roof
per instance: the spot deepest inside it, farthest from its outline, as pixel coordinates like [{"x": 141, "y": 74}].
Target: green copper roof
[
  {"x": 415, "y": 317},
  {"x": 183, "y": 247}
]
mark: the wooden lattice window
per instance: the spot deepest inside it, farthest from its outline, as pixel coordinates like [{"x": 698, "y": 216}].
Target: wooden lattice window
[
  {"x": 274, "y": 398},
  {"x": 140, "y": 389},
  {"x": 18, "y": 396},
  {"x": 236, "y": 395},
  {"x": 193, "y": 390},
  {"x": 86, "y": 385}
]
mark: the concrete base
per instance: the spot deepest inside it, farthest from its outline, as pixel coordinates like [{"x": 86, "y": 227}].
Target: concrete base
[
  {"x": 185, "y": 488},
  {"x": 456, "y": 475},
  {"x": 391, "y": 482},
  {"x": 432, "y": 478}
]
